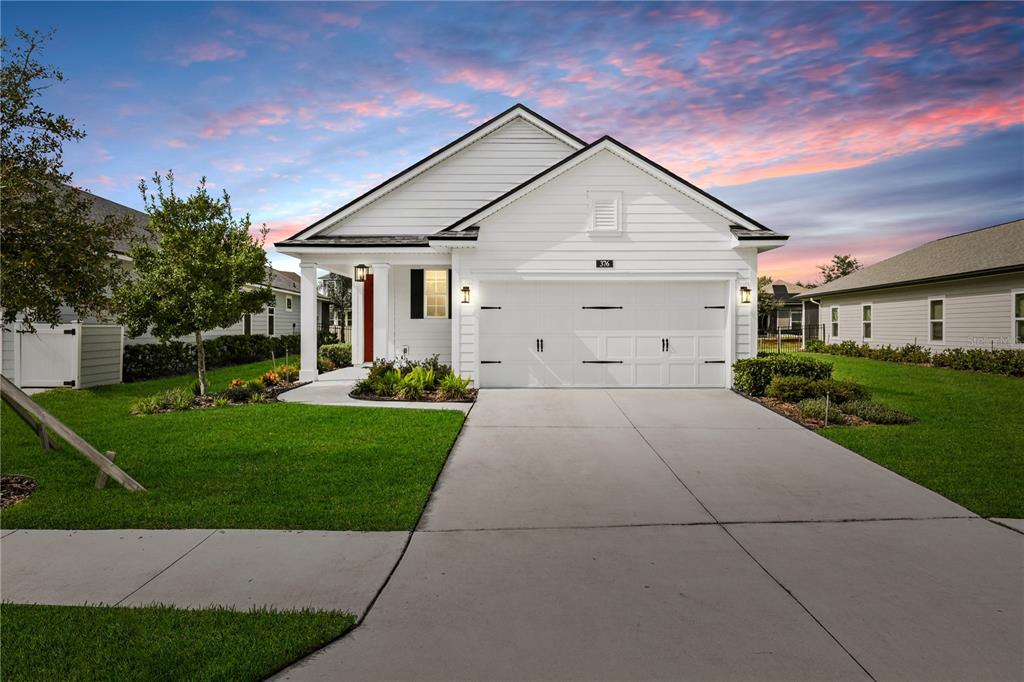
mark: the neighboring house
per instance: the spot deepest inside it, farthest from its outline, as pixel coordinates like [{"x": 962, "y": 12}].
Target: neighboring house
[
  {"x": 964, "y": 291},
  {"x": 525, "y": 256},
  {"x": 88, "y": 352},
  {"x": 789, "y": 317}
]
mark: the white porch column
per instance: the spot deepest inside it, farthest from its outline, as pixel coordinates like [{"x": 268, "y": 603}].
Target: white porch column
[
  {"x": 307, "y": 315},
  {"x": 457, "y": 306},
  {"x": 357, "y": 321},
  {"x": 382, "y": 345}
]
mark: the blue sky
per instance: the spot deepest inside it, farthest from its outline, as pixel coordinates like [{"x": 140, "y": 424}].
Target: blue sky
[{"x": 854, "y": 127}]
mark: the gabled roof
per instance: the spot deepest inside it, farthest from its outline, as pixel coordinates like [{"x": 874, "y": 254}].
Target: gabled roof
[
  {"x": 988, "y": 251},
  {"x": 785, "y": 292},
  {"x": 100, "y": 208},
  {"x": 450, "y": 149},
  {"x": 608, "y": 143}
]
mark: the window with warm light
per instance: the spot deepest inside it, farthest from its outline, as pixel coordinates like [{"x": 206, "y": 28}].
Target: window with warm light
[
  {"x": 435, "y": 293},
  {"x": 936, "y": 319}
]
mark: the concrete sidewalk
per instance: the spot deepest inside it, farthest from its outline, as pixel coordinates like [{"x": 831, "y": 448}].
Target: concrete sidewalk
[{"x": 334, "y": 570}]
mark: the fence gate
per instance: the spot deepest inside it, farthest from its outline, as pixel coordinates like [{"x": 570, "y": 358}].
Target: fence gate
[{"x": 49, "y": 357}]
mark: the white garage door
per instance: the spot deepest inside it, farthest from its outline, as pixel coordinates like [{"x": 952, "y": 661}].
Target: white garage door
[{"x": 603, "y": 334}]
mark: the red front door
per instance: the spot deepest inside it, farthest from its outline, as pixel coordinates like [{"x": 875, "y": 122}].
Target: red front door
[{"x": 368, "y": 319}]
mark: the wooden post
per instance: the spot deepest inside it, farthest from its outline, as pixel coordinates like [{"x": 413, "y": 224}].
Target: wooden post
[
  {"x": 14, "y": 396},
  {"x": 101, "y": 477},
  {"x": 35, "y": 425}
]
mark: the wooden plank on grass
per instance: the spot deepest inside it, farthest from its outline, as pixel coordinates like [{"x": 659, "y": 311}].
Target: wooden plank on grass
[{"x": 14, "y": 396}]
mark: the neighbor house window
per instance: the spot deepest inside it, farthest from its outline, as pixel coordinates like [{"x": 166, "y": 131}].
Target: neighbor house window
[
  {"x": 936, "y": 319},
  {"x": 287, "y": 302},
  {"x": 1018, "y": 317},
  {"x": 835, "y": 321},
  {"x": 866, "y": 321},
  {"x": 605, "y": 212},
  {"x": 796, "y": 318},
  {"x": 270, "y": 321},
  {"x": 435, "y": 293}
]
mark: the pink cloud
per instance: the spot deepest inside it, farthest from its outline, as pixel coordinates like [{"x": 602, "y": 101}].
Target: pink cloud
[
  {"x": 823, "y": 73},
  {"x": 207, "y": 51},
  {"x": 368, "y": 107},
  {"x": 340, "y": 19},
  {"x": 651, "y": 67},
  {"x": 488, "y": 79},
  {"x": 246, "y": 119},
  {"x": 176, "y": 143},
  {"x": 798, "y": 39},
  {"x": 705, "y": 16},
  {"x": 888, "y": 51}
]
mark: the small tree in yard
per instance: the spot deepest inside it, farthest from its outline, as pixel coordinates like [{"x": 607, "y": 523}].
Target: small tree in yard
[
  {"x": 204, "y": 270},
  {"x": 839, "y": 266},
  {"x": 338, "y": 290}
]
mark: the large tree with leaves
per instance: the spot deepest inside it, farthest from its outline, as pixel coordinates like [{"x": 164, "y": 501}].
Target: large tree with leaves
[
  {"x": 338, "y": 290},
  {"x": 202, "y": 270},
  {"x": 839, "y": 266},
  {"x": 52, "y": 253}
]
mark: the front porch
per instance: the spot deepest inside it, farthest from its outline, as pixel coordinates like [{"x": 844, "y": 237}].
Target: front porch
[{"x": 402, "y": 306}]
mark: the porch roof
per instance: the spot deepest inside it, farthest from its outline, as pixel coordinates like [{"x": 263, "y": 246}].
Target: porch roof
[{"x": 363, "y": 241}]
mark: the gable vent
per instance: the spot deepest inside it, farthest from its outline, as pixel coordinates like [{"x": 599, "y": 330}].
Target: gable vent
[{"x": 605, "y": 211}]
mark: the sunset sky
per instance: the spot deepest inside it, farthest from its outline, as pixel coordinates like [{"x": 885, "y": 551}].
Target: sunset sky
[{"x": 854, "y": 128}]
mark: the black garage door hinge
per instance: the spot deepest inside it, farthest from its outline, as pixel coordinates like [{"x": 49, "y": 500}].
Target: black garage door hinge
[
  {"x": 490, "y": 307},
  {"x": 601, "y": 362},
  {"x": 490, "y": 362},
  {"x": 70, "y": 383},
  {"x": 714, "y": 362},
  {"x": 714, "y": 307},
  {"x": 602, "y": 307}
]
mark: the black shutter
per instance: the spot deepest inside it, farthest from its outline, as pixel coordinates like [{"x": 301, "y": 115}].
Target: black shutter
[
  {"x": 416, "y": 294},
  {"x": 449, "y": 293}
]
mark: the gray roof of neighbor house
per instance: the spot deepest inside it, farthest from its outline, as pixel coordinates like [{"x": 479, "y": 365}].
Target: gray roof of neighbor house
[
  {"x": 988, "y": 251},
  {"x": 101, "y": 208},
  {"x": 785, "y": 292}
]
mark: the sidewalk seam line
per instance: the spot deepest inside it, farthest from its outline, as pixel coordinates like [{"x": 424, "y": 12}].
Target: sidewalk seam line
[
  {"x": 165, "y": 568},
  {"x": 739, "y": 544}
]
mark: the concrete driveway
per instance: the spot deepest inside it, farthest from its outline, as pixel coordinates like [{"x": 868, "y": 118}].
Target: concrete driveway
[{"x": 640, "y": 534}]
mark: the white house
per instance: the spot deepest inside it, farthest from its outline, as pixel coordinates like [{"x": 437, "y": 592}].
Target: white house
[
  {"x": 963, "y": 291},
  {"x": 526, "y": 256}
]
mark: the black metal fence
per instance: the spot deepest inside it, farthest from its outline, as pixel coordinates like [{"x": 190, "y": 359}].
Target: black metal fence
[{"x": 789, "y": 340}]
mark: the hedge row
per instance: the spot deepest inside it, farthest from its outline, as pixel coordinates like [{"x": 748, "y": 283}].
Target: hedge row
[
  {"x": 1003, "y": 361},
  {"x": 154, "y": 360},
  {"x": 753, "y": 375}
]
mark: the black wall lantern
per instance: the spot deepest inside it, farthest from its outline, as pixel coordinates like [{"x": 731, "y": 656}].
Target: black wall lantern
[
  {"x": 465, "y": 294},
  {"x": 361, "y": 272},
  {"x": 744, "y": 294}
]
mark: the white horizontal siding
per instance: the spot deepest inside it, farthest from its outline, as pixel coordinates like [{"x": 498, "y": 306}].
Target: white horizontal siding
[
  {"x": 7, "y": 353},
  {"x": 665, "y": 233},
  {"x": 978, "y": 314},
  {"x": 100, "y": 358},
  {"x": 460, "y": 184},
  {"x": 424, "y": 337}
]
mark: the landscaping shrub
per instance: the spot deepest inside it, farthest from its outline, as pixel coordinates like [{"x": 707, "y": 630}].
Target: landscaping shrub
[
  {"x": 270, "y": 378},
  {"x": 175, "y": 400},
  {"x": 288, "y": 373},
  {"x": 839, "y": 391},
  {"x": 154, "y": 360},
  {"x": 338, "y": 353},
  {"x": 752, "y": 375},
  {"x": 815, "y": 346},
  {"x": 1009, "y": 362},
  {"x": 791, "y": 389},
  {"x": 324, "y": 337},
  {"x": 993, "y": 361},
  {"x": 238, "y": 391},
  {"x": 453, "y": 387},
  {"x": 814, "y": 408},
  {"x": 877, "y": 413},
  {"x": 324, "y": 365}
]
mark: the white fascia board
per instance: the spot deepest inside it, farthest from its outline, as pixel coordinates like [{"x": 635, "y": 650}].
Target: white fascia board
[
  {"x": 628, "y": 157},
  {"x": 407, "y": 175}
]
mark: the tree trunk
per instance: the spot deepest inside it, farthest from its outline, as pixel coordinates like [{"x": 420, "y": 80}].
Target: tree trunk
[{"x": 204, "y": 385}]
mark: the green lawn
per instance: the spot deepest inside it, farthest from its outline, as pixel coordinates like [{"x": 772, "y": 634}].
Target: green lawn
[
  {"x": 968, "y": 442},
  {"x": 274, "y": 465},
  {"x": 157, "y": 643}
]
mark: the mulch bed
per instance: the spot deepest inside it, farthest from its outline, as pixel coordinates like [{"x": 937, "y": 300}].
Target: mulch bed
[
  {"x": 427, "y": 398},
  {"x": 792, "y": 412},
  {"x": 14, "y": 489}
]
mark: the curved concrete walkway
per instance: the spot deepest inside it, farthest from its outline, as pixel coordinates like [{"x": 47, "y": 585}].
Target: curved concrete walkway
[{"x": 591, "y": 534}]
